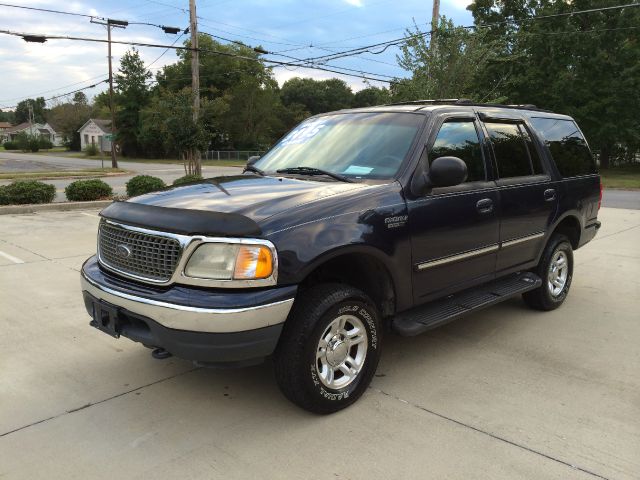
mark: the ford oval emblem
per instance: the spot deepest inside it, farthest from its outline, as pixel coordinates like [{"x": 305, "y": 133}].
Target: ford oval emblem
[{"x": 123, "y": 251}]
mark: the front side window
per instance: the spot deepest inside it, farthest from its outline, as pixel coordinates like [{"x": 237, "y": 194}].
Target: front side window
[
  {"x": 355, "y": 145},
  {"x": 459, "y": 138},
  {"x": 567, "y": 145},
  {"x": 512, "y": 148}
]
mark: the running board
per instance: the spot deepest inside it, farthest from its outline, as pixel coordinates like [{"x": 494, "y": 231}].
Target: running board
[{"x": 423, "y": 318}]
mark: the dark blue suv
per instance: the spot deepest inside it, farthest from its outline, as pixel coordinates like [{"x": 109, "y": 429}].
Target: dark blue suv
[{"x": 394, "y": 218}]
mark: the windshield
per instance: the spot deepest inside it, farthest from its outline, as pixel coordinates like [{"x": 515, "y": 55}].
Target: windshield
[{"x": 354, "y": 145}]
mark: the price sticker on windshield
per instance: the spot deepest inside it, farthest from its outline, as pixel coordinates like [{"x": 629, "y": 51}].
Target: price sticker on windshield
[{"x": 304, "y": 132}]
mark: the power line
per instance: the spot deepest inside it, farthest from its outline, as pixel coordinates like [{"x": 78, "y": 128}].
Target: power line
[
  {"x": 64, "y": 94},
  {"x": 50, "y": 90}
]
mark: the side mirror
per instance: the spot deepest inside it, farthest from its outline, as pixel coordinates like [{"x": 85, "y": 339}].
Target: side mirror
[
  {"x": 443, "y": 172},
  {"x": 253, "y": 159}
]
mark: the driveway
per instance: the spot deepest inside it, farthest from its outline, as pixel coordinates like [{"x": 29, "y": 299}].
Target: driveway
[
  {"x": 21, "y": 162},
  {"x": 507, "y": 393}
]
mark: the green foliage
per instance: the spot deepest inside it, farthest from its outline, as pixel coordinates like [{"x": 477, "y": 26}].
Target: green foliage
[
  {"x": 68, "y": 118},
  {"x": 587, "y": 66},
  {"x": 8, "y": 116},
  {"x": 87, "y": 190},
  {"x": 187, "y": 179},
  {"x": 317, "y": 96},
  {"x": 91, "y": 150},
  {"x": 132, "y": 96},
  {"x": 28, "y": 142},
  {"x": 446, "y": 67},
  {"x": 45, "y": 143},
  {"x": 371, "y": 96},
  {"x": 27, "y": 191},
  {"x": 142, "y": 184},
  {"x": 10, "y": 145},
  {"x": 4, "y": 196},
  {"x": 39, "y": 110}
]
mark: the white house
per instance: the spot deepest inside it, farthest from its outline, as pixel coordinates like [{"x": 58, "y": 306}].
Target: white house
[
  {"x": 45, "y": 130},
  {"x": 96, "y": 132}
]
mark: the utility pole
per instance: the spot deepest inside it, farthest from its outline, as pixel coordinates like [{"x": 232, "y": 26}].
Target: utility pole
[
  {"x": 110, "y": 23},
  {"x": 195, "y": 77},
  {"x": 435, "y": 20}
]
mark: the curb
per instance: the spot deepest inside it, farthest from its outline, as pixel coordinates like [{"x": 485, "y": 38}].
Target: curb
[{"x": 53, "y": 207}]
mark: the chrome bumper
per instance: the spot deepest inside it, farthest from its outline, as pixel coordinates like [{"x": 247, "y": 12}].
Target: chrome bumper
[{"x": 195, "y": 319}]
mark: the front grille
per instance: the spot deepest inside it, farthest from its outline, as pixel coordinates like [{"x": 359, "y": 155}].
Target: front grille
[{"x": 151, "y": 257}]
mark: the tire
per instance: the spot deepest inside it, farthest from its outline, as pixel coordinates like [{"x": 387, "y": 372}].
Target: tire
[
  {"x": 550, "y": 296},
  {"x": 302, "y": 368}
]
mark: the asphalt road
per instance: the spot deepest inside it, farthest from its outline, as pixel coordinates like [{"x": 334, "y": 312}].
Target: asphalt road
[{"x": 507, "y": 393}]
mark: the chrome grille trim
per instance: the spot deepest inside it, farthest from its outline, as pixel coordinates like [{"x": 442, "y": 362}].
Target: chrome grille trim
[
  {"x": 153, "y": 258},
  {"x": 188, "y": 244}
]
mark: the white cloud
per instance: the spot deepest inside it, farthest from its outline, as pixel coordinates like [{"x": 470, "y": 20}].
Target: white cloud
[
  {"x": 459, "y": 4},
  {"x": 282, "y": 75},
  {"x": 355, "y": 3}
]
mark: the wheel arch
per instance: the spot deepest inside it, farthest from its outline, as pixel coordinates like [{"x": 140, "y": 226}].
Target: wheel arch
[{"x": 362, "y": 267}]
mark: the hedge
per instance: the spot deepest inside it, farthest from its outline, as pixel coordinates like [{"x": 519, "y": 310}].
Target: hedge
[
  {"x": 188, "y": 179},
  {"x": 10, "y": 145},
  {"x": 142, "y": 184},
  {"x": 27, "y": 191},
  {"x": 87, "y": 190}
]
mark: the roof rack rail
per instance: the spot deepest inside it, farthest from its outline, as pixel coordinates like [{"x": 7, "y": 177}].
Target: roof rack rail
[{"x": 468, "y": 102}]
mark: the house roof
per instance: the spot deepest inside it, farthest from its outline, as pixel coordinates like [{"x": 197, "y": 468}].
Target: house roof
[
  {"x": 103, "y": 124},
  {"x": 5, "y": 125},
  {"x": 18, "y": 128}
]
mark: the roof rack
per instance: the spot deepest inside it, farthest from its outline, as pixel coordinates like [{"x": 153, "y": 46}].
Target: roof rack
[{"x": 467, "y": 102}]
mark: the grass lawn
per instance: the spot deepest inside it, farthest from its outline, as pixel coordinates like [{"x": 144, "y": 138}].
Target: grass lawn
[
  {"x": 50, "y": 175},
  {"x": 627, "y": 177}
]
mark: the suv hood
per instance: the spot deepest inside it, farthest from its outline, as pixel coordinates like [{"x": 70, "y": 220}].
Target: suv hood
[{"x": 223, "y": 205}]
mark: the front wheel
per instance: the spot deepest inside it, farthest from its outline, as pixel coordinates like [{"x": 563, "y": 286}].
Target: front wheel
[
  {"x": 329, "y": 348},
  {"x": 556, "y": 271}
]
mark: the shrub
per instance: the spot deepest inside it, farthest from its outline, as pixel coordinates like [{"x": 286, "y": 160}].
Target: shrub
[
  {"x": 142, "y": 184},
  {"x": 29, "y": 191},
  {"x": 45, "y": 143},
  {"x": 4, "y": 196},
  {"x": 10, "y": 145},
  {"x": 86, "y": 190},
  {"x": 91, "y": 150},
  {"x": 187, "y": 179}
]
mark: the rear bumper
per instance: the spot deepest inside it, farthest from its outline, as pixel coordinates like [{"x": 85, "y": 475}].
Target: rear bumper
[{"x": 196, "y": 324}]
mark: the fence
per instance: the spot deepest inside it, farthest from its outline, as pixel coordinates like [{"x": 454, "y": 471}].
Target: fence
[{"x": 240, "y": 155}]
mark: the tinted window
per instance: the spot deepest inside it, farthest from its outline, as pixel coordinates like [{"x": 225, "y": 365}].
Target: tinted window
[
  {"x": 533, "y": 153},
  {"x": 567, "y": 145},
  {"x": 460, "y": 139},
  {"x": 510, "y": 148}
]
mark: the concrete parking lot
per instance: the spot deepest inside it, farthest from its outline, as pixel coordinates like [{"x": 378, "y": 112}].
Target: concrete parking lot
[{"x": 507, "y": 393}]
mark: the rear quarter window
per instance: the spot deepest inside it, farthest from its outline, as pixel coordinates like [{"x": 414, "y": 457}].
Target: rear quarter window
[{"x": 567, "y": 146}]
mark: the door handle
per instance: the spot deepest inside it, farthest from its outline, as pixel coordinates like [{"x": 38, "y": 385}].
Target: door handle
[
  {"x": 485, "y": 205},
  {"x": 549, "y": 195}
]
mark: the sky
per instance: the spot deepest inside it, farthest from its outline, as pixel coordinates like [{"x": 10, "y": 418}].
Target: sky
[{"x": 299, "y": 28}]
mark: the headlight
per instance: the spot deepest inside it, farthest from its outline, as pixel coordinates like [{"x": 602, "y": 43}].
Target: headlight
[{"x": 224, "y": 261}]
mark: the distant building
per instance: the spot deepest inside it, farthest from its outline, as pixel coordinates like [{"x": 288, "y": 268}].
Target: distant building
[
  {"x": 45, "y": 130},
  {"x": 96, "y": 132},
  {"x": 3, "y": 127}
]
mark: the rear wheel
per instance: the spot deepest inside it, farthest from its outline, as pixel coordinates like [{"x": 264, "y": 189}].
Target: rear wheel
[
  {"x": 329, "y": 348},
  {"x": 556, "y": 271}
]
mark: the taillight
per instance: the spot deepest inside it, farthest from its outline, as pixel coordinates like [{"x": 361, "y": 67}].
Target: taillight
[{"x": 600, "y": 201}]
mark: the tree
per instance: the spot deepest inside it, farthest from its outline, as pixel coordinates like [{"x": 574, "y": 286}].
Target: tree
[
  {"x": 79, "y": 98},
  {"x": 7, "y": 116},
  {"x": 68, "y": 118},
  {"x": 39, "y": 110},
  {"x": 132, "y": 96},
  {"x": 370, "y": 96},
  {"x": 587, "y": 66},
  {"x": 317, "y": 96},
  {"x": 446, "y": 69}
]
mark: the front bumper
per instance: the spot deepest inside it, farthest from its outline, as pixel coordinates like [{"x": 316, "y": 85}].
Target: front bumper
[{"x": 197, "y": 324}]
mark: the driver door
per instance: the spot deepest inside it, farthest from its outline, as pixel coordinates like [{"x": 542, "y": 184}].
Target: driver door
[{"x": 455, "y": 230}]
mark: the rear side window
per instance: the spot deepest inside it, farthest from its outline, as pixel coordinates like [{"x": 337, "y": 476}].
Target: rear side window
[
  {"x": 515, "y": 153},
  {"x": 459, "y": 138},
  {"x": 567, "y": 145}
]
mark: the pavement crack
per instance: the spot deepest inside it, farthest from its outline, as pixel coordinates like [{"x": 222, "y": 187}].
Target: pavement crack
[
  {"x": 88, "y": 405},
  {"x": 492, "y": 435}
]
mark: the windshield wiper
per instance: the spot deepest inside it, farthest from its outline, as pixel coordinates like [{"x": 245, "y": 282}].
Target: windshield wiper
[
  {"x": 251, "y": 168},
  {"x": 314, "y": 171}
]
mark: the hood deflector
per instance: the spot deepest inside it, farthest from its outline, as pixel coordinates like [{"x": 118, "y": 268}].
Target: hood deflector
[{"x": 182, "y": 221}]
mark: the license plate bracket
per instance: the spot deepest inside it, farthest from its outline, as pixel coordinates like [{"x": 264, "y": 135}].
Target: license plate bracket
[{"x": 106, "y": 318}]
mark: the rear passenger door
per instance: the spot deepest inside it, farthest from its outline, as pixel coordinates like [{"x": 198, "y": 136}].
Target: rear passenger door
[{"x": 528, "y": 197}]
